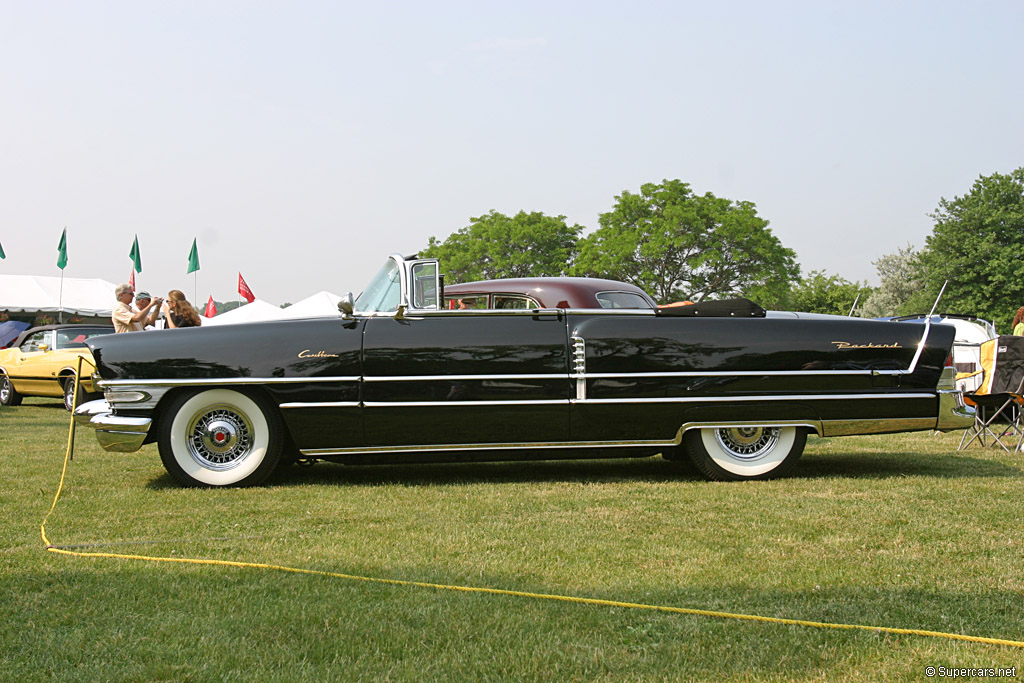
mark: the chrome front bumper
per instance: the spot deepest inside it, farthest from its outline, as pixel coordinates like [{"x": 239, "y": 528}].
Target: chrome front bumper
[{"x": 114, "y": 433}]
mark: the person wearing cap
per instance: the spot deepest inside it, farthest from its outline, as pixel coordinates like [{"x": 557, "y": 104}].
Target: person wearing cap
[
  {"x": 125, "y": 317},
  {"x": 142, "y": 301}
]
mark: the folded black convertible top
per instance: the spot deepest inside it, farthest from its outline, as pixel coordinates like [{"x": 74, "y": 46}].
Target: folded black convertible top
[{"x": 725, "y": 308}]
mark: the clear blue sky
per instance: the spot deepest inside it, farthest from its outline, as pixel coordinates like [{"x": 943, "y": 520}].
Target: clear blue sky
[{"x": 301, "y": 142}]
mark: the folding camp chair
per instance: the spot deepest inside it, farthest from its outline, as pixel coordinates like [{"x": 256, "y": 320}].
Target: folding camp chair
[{"x": 998, "y": 403}]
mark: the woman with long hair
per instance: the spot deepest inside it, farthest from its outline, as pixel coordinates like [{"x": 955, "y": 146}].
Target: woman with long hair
[
  {"x": 1018, "y": 322},
  {"x": 179, "y": 311}
]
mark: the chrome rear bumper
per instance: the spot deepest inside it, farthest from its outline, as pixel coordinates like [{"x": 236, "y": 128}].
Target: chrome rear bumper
[{"x": 114, "y": 433}]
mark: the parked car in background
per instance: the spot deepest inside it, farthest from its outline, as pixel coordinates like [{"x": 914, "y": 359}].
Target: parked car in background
[
  {"x": 42, "y": 362},
  {"x": 398, "y": 376},
  {"x": 546, "y": 292}
]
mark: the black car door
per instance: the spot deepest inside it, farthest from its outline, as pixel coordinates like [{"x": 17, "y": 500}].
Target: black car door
[{"x": 463, "y": 378}]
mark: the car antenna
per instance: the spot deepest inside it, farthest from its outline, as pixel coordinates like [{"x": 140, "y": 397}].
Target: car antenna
[
  {"x": 854, "y": 306},
  {"x": 936, "y": 304}
]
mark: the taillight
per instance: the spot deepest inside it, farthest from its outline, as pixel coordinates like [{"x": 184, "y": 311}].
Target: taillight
[{"x": 949, "y": 360}]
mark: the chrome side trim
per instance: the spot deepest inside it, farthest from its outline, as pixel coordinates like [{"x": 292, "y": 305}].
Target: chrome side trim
[
  {"x": 134, "y": 396},
  {"x": 124, "y": 395},
  {"x": 422, "y": 313},
  {"x": 884, "y": 426},
  {"x": 816, "y": 425},
  {"x": 322, "y": 404},
  {"x": 205, "y": 381},
  {"x": 316, "y": 452},
  {"x": 459, "y": 378},
  {"x": 920, "y": 347},
  {"x": 576, "y": 375},
  {"x": 453, "y": 404},
  {"x": 733, "y": 373},
  {"x": 579, "y": 366},
  {"x": 748, "y": 398},
  {"x": 565, "y": 401}
]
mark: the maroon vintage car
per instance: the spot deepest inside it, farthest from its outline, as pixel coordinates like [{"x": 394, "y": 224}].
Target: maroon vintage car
[{"x": 546, "y": 292}]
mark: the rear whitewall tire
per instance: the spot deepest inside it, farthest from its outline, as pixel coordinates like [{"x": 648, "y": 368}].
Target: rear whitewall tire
[
  {"x": 739, "y": 453},
  {"x": 220, "y": 437}
]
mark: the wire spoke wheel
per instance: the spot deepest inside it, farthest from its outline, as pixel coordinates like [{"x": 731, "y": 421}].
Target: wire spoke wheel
[
  {"x": 220, "y": 437},
  {"x": 748, "y": 443}
]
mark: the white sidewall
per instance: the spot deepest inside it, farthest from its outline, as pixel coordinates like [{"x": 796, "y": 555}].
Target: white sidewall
[
  {"x": 245, "y": 467},
  {"x": 749, "y": 468}
]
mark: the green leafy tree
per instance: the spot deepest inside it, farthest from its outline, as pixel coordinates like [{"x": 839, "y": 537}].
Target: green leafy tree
[
  {"x": 977, "y": 245},
  {"x": 498, "y": 246},
  {"x": 678, "y": 245},
  {"x": 820, "y": 292},
  {"x": 899, "y": 276}
]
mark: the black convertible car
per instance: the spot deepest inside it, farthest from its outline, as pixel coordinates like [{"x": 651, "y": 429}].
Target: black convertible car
[{"x": 398, "y": 376}]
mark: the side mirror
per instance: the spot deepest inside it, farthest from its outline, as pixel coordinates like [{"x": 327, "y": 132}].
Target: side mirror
[
  {"x": 347, "y": 305},
  {"x": 43, "y": 347}
]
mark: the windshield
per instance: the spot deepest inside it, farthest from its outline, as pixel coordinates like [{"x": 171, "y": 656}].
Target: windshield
[{"x": 384, "y": 291}]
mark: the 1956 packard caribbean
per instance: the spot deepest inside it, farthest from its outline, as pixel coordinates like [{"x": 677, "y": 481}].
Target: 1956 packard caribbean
[{"x": 399, "y": 376}]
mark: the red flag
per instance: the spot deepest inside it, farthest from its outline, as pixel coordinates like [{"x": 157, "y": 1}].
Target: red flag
[
  {"x": 131, "y": 280},
  {"x": 211, "y": 310},
  {"x": 244, "y": 290}
]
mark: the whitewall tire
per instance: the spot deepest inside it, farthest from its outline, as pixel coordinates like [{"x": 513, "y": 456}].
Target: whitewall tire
[
  {"x": 220, "y": 437},
  {"x": 737, "y": 453}
]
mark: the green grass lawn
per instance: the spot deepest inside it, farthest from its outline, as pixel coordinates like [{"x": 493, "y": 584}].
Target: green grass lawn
[{"x": 899, "y": 531}]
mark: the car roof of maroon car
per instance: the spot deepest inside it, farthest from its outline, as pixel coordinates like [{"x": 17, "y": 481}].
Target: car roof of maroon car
[{"x": 577, "y": 292}]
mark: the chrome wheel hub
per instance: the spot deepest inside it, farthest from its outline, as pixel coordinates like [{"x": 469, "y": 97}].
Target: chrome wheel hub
[
  {"x": 748, "y": 443},
  {"x": 220, "y": 437}
]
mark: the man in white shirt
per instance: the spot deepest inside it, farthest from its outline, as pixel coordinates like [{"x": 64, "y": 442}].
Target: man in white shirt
[{"x": 125, "y": 317}]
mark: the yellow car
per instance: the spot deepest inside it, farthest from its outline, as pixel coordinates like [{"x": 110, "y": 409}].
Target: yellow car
[{"x": 43, "y": 361}]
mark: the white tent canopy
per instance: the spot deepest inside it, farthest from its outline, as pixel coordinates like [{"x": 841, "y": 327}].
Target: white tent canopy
[
  {"x": 259, "y": 310},
  {"x": 320, "y": 305},
  {"x": 42, "y": 294}
]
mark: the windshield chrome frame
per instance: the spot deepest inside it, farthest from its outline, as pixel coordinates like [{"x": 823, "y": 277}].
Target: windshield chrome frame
[{"x": 407, "y": 283}]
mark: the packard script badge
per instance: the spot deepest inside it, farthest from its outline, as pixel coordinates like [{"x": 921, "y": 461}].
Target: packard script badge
[{"x": 841, "y": 345}]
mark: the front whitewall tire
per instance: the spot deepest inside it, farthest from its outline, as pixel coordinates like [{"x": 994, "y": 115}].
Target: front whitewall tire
[{"x": 219, "y": 437}]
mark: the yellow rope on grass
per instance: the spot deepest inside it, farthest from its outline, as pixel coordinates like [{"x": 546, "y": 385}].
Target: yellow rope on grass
[{"x": 492, "y": 591}]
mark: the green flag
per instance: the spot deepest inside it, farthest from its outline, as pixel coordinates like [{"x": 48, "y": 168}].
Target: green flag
[
  {"x": 193, "y": 259},
  {"x": 136, "y": 255},
  {"x": 2, "y": 254},
  {"x": 62, "y": 250}
]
